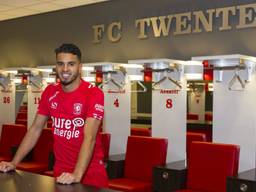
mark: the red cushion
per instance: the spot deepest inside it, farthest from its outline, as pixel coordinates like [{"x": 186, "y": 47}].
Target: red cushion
[
  {"x": 23, "y": 107},
  {"x": 191, "y": 116},
  {"x": 41, "y": 151},
  {"x": 142, "y": 154},
  {"x": 124, "y": 184},
  {"x": 191, "y": 137},
  {"x": 22, "y": 122},
  {"x": 5, "y": 158},
  {"x": 12, "y": 135},
  {"x": 49, "y": 124},
  {"x": 105, "y": 142},
  {"x": 33, "y": 167},
  {"x": 210, "y": 164},
  {"x": 48, "y": 173},
  {"x": 43, "y": 147},
  {"x": 22, "y": 115},
  {"x": 208, "y": 116},
  {"x": 187, "y": 190},
  {"x": 141, "y": 131}
]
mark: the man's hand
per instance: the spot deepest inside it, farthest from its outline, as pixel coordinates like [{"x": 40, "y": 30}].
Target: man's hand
[
  {"x": 6, "y": 166},
  {"x": 67, "y": 178}
]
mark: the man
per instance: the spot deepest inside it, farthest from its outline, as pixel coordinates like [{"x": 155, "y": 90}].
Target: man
[{"x": 76, "y": 109}]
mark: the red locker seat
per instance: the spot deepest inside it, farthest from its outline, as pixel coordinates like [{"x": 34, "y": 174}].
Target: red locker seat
[
  {"x": 22, "y": 122},
  {"x": 49, "y": 124},
  {"x": 41, "y": 151},
  {"x": 23, "y": 108},
  {"x": 49, "y": 173},
  {"x": 208, "y": 116},
  {"x": 105, "y": 141},
  {"x": 140, "y": 131},
  {"x": 32, "y": 166},
  {"x": 142, "y": 154},
  {"x": 191, "y": 137},
  {"x": 209, "y": 165},
  {"x": 191, "y": 116},
  {"x": 206, "y": 131},
  {"x": 22, "y": 115},
  {"x": 11, "y": 136},
  {"x": 23, "y": 111}
]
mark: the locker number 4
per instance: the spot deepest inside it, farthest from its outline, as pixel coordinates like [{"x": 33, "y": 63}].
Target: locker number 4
[{"x": 116, "y": 103}]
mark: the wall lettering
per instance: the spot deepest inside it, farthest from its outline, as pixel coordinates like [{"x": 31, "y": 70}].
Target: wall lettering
[{"x": 183, "y": 23}]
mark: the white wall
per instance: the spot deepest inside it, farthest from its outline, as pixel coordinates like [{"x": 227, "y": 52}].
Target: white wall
[
  {"x": 34, "y": 96},
  {"x": 7, "y": 105},
  {"x": 117, "y": 116},
  {"x": 197, "y": 103},
  {"x": 169, "y": 119},
  {"x": 234, "y": 117}
]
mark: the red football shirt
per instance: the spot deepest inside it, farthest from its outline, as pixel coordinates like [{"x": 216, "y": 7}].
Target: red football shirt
[{"x": 68, "y": 112}]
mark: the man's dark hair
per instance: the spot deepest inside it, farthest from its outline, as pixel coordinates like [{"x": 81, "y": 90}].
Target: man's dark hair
[{"x": 69, "y": 48}]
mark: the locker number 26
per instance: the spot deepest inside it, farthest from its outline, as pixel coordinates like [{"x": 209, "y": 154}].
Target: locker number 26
[{"x": 6, "y": 100}]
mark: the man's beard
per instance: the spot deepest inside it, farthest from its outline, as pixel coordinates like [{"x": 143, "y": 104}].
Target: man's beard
[{"x": 65, "y": 83}]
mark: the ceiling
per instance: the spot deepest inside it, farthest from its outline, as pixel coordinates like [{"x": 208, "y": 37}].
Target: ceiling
[{"x": 10, "y": 9}]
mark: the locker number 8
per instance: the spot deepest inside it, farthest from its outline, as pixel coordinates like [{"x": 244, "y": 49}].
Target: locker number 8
[{"x": 168, "y": 103}]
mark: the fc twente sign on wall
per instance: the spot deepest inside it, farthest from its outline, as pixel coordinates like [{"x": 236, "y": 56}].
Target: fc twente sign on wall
[{"x": 219, "y": 19}]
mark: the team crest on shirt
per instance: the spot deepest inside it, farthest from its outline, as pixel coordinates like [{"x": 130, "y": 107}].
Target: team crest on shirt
[{"x": 77, "y": 110}]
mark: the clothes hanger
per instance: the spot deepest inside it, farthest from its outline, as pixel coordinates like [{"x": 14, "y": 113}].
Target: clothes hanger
[
  {"x": 165, "y": 78},
  {"x": 235, "y": 78},
  {"x": 144, "y": 89},
  {"x": 110, "y": 79}
]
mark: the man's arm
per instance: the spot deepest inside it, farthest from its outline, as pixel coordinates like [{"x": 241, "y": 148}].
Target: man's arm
[
  {"x": 85, "y": 154},
  {"x": 27, "y": 143}
]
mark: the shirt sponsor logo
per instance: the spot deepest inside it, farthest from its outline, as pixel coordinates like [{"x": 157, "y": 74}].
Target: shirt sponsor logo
[
  {"x": 99, "y": 107},
  {"x": 67, "y": 128},
  {"x": 54, "y": 105},
  {"x": 77, "y": 109}
]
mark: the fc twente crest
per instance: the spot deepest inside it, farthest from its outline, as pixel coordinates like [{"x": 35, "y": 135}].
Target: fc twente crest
[{"x": 77, "y": 110}]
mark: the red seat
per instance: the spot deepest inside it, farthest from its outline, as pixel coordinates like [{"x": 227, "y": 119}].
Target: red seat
[
  {"x": 207, "y": 130},
  {"x": 142, "y": 154},
  {"x": 23, "y": 108},
  {"x": 208, "y": 116},
  {"x": 141, "y": 131},
  {"x": 209, "y": 165},
  {"x": 191, "y": 137},
  {"x": 33, "y": 166},
  {"x": 11, "y": 136},
  {"x": 48, "y": 173},
  {"x": 23, "y": 111},
  {"x": 125, "y": 184},
  {"x": 49, "y": 124},
  {"x": 41, "y": 151},
  {"x": 105, "y": 141},
  {"x": 22, "y": 122},
  {"x": 5, "y": 158},
  {"x": 191, "y": 116},
  {"x": 22, "y": 115}
]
